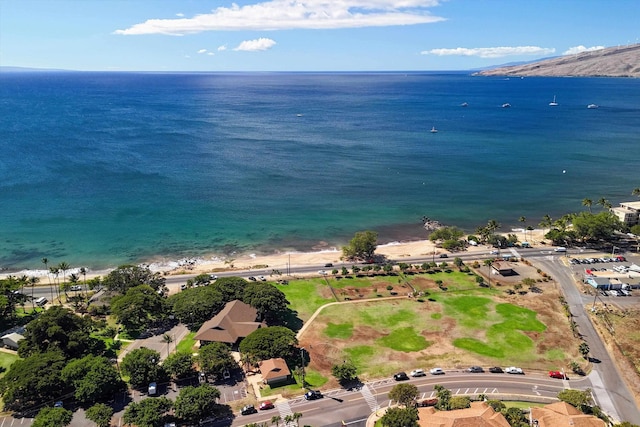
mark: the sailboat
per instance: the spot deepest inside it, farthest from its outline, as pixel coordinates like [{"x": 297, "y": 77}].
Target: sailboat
[
  {"x": 553, "y": 103},
  {"x": 434, "y": 130}
]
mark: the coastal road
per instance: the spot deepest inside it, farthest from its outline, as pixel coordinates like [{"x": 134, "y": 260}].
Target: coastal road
[{"x": 610, "y": 390}]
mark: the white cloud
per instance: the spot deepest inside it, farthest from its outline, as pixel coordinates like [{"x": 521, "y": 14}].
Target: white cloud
[
  {"x": 303, "y": 14},
  {"x": 210, "y": 53},
  {"x": 255, "y": 45},
  {"x": 222, "y": 48},
  {"x": 491, "y": 52},
  {"x": 580, "y": 49},
  {"x": 202, "y": 51},
  {"x": 181, "y": 15}
]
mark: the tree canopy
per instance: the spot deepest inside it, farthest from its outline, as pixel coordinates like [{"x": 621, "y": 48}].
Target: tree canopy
[
  {"x": 578, "y": 398},
  {"x": 129, "y": 276},
  {"x": 267, "y": 299},
  {"x": 405, "y": 394},
  {"x": 345, "y": 372},
  {"x": 196, "y": 305},
  {"x": 33, "y": 381},
  {"x": 600, "y": 226},
  {"x": 194, "y": 404},
  {"x": 100, "y": 414},
  {"x": 400, "y": 417},
  {"x": 362, "y": 246},
  {"x": 93, "y": 379},
  {"x": 147, "y": 412},
  {"x": 53, "y": 417},
  {"x": 230, "y": 288},
  {"x": 215, "y": 358},
  {"x": 60, "y": 329},
  {"x": 141, "y": 365},
  {"x": 269, "y": 342},
  {"x": 138, "y": 307},
  {"x": 179, "y": 365}
]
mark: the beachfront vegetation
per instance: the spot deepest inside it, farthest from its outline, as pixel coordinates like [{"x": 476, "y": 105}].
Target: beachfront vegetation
[
  {"x": 269, "y": 342},
  {"x": 270, "y": 302},
  {"x": 362, "y": 246},
  {"x": 138, "y": 308},
  {"x": 129, "y": 276},
  {"x": 584, "y": 227}
]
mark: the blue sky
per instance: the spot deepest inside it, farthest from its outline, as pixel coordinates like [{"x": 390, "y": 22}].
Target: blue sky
[{"x": 305, "y": 35}]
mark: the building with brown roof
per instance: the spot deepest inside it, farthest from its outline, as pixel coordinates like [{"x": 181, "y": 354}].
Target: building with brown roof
[
  {"x": 234, "y": 322},
  {"x": 478, "y": 415},
  {"x": 563, "y": 414},
  {"x": 274, "y": 370}
]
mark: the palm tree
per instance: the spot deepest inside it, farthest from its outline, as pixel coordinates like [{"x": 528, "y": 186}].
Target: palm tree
[
  {"x": 604, "y": 203},
  {"x": 167, "y": 338},
  {"x": 546, "y": 221},
  {"x": 523, "y": 219},
  {"x": 288, "y": 419},
  {"x": 64, "y": 267},
  {"x": 587, "y": 203},
  {"x": 83, "y": 271},
  {"x": 55, "y": 271},
  {"x": 636, "y": 192},
  {"x": 32, "y": 282},
  {"x": 493, "y": 225},
  {"x": 45, "y": 261},
  {"x": 275, "y": 420},
  {"x": 296, "y": 416}
]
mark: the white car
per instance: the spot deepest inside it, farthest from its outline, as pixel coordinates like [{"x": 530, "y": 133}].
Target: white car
[
  {"x": 153, "y": 389},
  {"x": 322, "y": 273},
  {"x": 417, "y": 373},
  {"x": 436, "y": 371},
  {"x": 514, "y": 370},
  {"x": 262, "y": 278}
]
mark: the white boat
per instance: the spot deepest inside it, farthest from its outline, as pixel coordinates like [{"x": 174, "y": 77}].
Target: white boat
[
  {"x": 464, "y": 104},
  {"x": 553, "y": 103},
  {"x": 592, "y": 106},
  {"x": 434, "y": 130},
  {"x": 506, "y": 105}
]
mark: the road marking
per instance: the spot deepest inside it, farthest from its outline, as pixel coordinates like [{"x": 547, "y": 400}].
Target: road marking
[
  {"x": 371, "y": 400},
  {"x": 285, "y": 410}
]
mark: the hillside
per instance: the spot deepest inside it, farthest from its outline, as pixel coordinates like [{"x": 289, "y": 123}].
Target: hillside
[{"x": 621, "y": 61}]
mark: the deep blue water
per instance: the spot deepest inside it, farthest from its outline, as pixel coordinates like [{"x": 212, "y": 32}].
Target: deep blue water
[{"x": 99, "y": 169}]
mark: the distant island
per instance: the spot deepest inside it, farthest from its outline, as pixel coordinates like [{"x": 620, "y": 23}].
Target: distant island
[{"x": 619, "y": 61}]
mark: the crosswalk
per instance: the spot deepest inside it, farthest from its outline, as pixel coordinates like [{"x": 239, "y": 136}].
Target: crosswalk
[
  {"x": 369, "y": 398},
  {"x": 284, "y": 409}
]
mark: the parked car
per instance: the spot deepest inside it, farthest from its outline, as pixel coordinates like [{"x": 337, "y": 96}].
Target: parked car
[
  {"x": 313, "y": 395},
  {"x": 496, "y": 370},
  {"x": 58, "y": 404},
  {"x": 428, "y": 402},
  {"x": 444, "y": 256},
  {"x": 514, "y": 370},
  {"x": 400, "y": 376},
  {"x": 253, "y": 279},
  {"x": 213, "y": 277},
  {"x": 557, "y": 374},
  {"x": 436, "y": 371},
  {"x": 475, "y": 369},
  {"x": 322, "y": 272},
  {"x": 248, "y": 410},
  {"x": 262, "y": 278},
  {"x": 76, "y": 288},
  {"x": 153, "y": 389},
  {"x": 417, "y": 373},
  {"x": 266, "y": 405},
  {"x": 327, "y": 265}
]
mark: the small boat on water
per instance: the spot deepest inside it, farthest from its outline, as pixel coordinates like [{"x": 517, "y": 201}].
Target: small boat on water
[
  {"x": 553, "y": 103},
  {"x": 434, "y": 130},
  {"x": 592, "y": 106},
  {"x": 464, "y": 104},
  {"x": 506, "y": 105}
]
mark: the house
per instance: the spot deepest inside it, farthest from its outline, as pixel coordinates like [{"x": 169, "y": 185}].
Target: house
[
  {"x": 627, "y": 212},
  {"x": 11, "y": 340},
  {"x": 234, "y": 322},
  {"x": 478, "y": 415},
  {"x": 563, "y": 414},
  {"x": 503, "y": 268},
  {"x": 274, "y": 371}
]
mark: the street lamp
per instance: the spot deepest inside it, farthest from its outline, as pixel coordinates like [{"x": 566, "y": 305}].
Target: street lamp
[{"x": 302, "y": 366}]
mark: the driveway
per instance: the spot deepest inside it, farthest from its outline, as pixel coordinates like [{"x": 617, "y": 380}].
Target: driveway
[{"x": 157, "y": 343}]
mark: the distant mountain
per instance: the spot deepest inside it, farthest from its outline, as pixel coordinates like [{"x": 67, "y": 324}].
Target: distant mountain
[
  {"x": 8, "y": 69},
  {"x": 620, "y": 61}
]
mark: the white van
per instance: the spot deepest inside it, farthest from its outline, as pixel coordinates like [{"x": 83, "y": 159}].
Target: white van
[
  {"x": 560, "y": 249},
  {"x": 41, "y": 301}
]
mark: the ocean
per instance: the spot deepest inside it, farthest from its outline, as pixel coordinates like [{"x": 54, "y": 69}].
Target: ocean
[{"x": 102, "y": 169}]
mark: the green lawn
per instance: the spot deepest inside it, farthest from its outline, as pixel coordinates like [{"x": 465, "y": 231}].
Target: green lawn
[
  {"x": 187, "y": 343},
  {"x": 6, "y": 360},
  {"x": 305, "y": 296}
]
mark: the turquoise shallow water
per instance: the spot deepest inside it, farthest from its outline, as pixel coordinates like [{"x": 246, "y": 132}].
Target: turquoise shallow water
[{"x": 99, "y": 169}]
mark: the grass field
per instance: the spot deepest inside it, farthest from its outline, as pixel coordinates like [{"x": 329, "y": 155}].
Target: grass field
[
  {"x": 6, "y": 359},
  {"x": 456, "y": 324}
]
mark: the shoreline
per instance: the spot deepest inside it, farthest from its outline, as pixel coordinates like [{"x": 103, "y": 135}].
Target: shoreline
[{"x": 278, "y": 260}]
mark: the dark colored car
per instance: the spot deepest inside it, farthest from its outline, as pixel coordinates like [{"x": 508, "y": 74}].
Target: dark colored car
[
  {"x": 313, "y": 395},
  {"x": 328, "y": 264},
  {"x": 248, "y": 410},
  {"x": 401, "y": 376},
  {"x": 475, "y": 369},
  {"x": 496, "y": 370},
  {"x": 444, "y": 256},
  {"x": 253, "y": 279}
]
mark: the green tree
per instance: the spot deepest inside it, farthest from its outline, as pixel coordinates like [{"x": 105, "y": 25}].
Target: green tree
[
  {"x": 578, "y": 398},
  {"x": 147, "y": 412},
  {"x": 446, "y": 233},
  {"x": 515, "y": 417},
  {"x": 459, "y": 402},
  {"x": 194, "y": 404},
  {"x": 583, "y": 348},
  {"x": 215, "y": 358},
  {"x": 405, "y": 394},
  {"x": 625, "y": 424},
  {"x": 138, "y": 307},
  {"x": 53, "y": 417},
  {"x": 93, "y": 379},
  {"x": 197, "y": 305},
  {"x": 141, "y": 365},
  {"x": 588, "y": 203},
  {"x": 267, "y": 299},
  {"x": 600, "y": 226},
  {"x": 8, "y": 297},
  {"x": 636, "y": 192},
  {"x": 60, "y": 329},
  {"x": 230, "y": 288},
  {"x": 275, "y": 420},
  {"x": 100, "y": 414},
  {"x": 362, "y": 246},
  {"x": 345, "y": 372},
  {"x": 269, "y": 342},
  {"x": 179, "y": 365},
  {"x": 129, "y": 276},
  {"x": 604, "y": 203},
  {"x": 444, "y": 397},
  {"x": 33, "y": 381},
  {"x": 400, "y": 417},
  {"x": 635, "y": 229},
  {"x": 497, "y": 405},
  {"x": 168, "y": 339}
]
